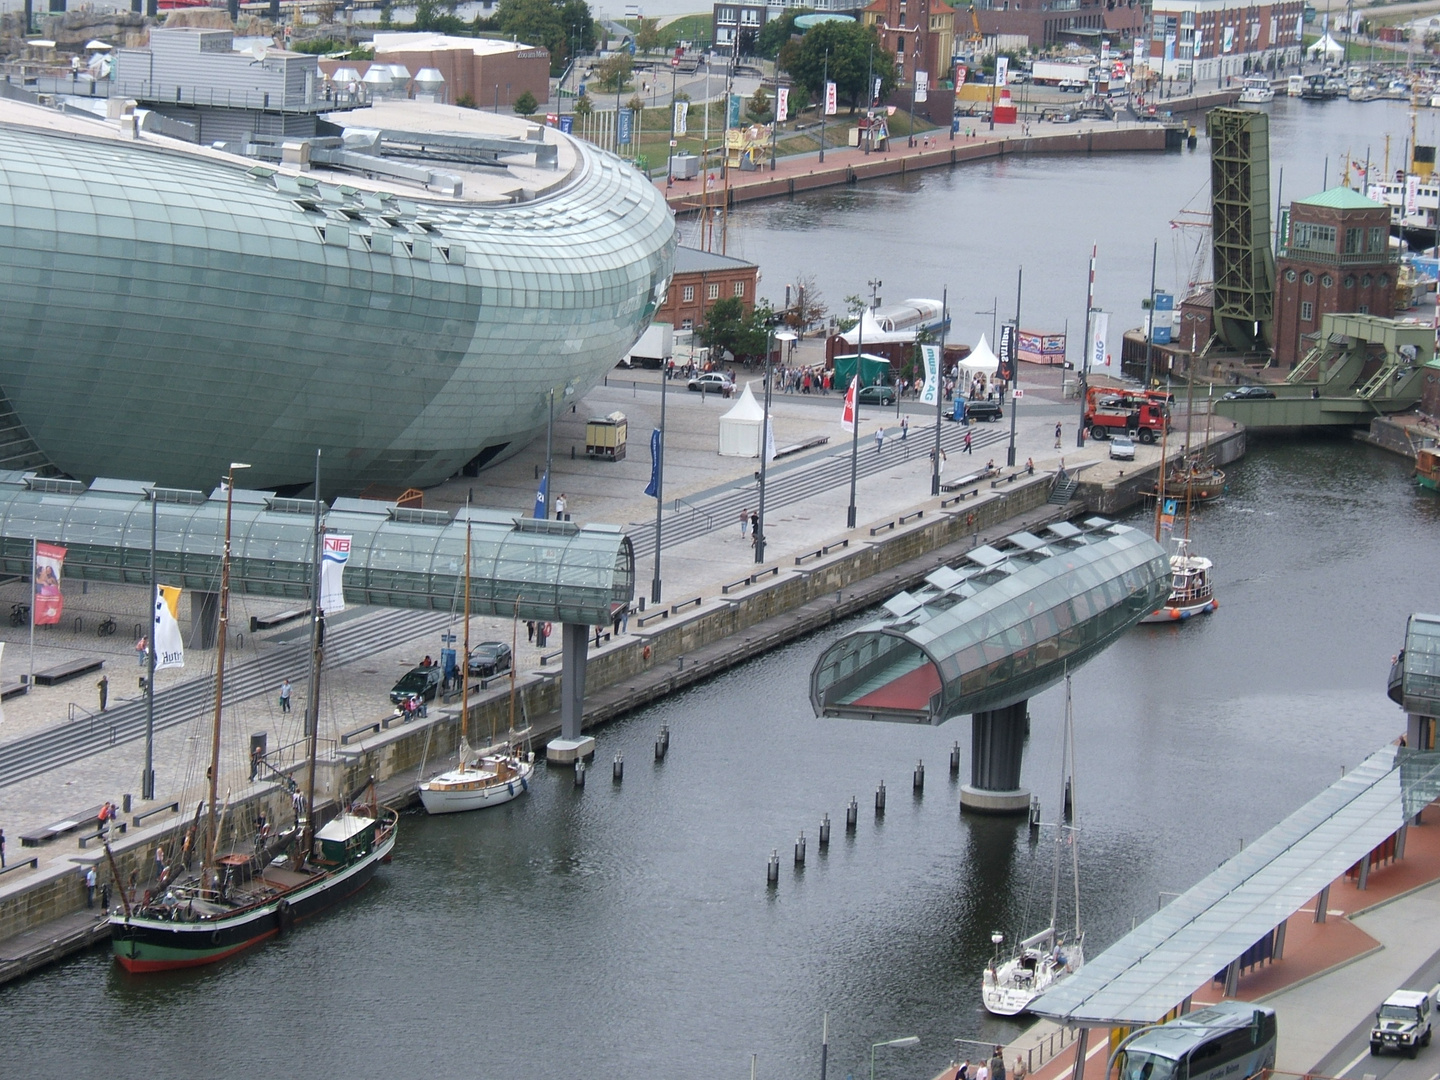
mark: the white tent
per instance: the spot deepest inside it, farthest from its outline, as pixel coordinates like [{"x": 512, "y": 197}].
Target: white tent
[
  {"x": 981, "y": 361},
  {"x": 1326, "y": 47},
  {"x": 740, "y": 427}
]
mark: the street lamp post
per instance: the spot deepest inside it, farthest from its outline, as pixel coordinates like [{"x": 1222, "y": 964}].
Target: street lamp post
[
  {"x": 824, "y": 102},
  {"x": 908, "y": 1040},
  {"x": 1084, "y": 379},
  {"x": 940, "y": 392},
  {"x": 549, "y": 450},
  {"x": 660, "y": 478},
  {"x": 1015, "y": 366},
  {"x": 785, "y": 336},
  {"x": 855, "y": 383},
  {"x": 870, "y": 101},
  {"x": 147, "y": 778},
  {"x": 670, "y": 164}
]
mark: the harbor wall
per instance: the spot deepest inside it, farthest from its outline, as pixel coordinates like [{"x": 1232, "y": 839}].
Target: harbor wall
[{"x": 1131, "y": 488}]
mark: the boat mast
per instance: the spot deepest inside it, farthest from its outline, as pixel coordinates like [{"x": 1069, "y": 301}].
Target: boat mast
[
  {"x": 317, "y": 653},
  {"x": 212, "y": 832},
  {"x": 465, "y": 662},
  {"x": 1164, "y": 465},
  {"x": 514, "y": 648},
  {"x": 1074, "y": 817},
  {"x": 1059, "y": 823}
]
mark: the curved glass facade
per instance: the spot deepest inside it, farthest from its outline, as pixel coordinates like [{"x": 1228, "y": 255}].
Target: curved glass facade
[
  {"x": 559, "y": 571},
  {"x": 165, "y": 311},
  {"x": 1419, "y": 666},
  {"x": 997, "y": 629}
]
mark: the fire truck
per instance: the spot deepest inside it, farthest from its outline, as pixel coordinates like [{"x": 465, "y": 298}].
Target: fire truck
[{"x": 1142, "y": 414}]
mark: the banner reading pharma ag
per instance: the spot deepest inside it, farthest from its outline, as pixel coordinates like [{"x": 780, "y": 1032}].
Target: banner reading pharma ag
[
  {"x": 782, "y": 104},
  {"x": 169, "y": 645},
  {"x": 332, "y": 573},
  {"x": 49, "y": 604},
  {"x": 930, "y": 392},
  {"x": 1099, "y": 331},
  {"x": 829, "y": 99}
]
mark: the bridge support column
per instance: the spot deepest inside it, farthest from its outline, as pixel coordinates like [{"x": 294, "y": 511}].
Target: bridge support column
[
  {"x": 997, "y": 741},
  {"x": 572, "y": 745},
  {"x": 204, "y": 618}
]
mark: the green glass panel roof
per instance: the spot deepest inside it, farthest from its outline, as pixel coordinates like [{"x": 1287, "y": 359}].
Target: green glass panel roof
[{"x": 1341, "y": 198}]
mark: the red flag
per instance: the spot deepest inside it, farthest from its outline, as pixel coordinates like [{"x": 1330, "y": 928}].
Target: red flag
[
  {"x": 49, "y": 603},
  {"x": 847, "y": 417}
]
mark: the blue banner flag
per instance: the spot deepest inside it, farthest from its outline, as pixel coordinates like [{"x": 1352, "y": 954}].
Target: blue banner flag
[
  {"x": 732, "y": 115},
  {"x": 567, "y": 124},
  {"x": 653, "y": 488},
  {"x": 625, "y": 127},
  {"x": 540, "y": 495},
  {"x": 1167, "y": 515}
]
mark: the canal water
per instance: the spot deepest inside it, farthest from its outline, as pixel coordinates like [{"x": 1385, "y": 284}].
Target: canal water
[{"x": 627, "y": 930}]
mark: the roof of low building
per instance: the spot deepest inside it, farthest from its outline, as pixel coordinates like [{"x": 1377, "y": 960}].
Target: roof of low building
[
  {"x": 690, "y": 260},
  {"x": 1341, "y": 198}
]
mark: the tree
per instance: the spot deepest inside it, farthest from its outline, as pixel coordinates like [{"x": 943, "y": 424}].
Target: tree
[
  {"x": 758, "y": 107},
  {"x": 614, "y": 70},
  {"x": 583, "y": 108},
  {"x": 849, "y": 47},
  {"x": 807, "y": 306},
  {"x": 525, "y": 104},
  {"x": 636, "y": 105},
  {"x": 559, "y": 27},
  {"x": 728, "y": 326},
  {"x": 647, "y": 37},
  {"x": 778, "y": 31}
]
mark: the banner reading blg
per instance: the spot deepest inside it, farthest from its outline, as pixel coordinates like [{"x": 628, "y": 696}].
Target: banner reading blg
[{"x": 49, "y": 603}]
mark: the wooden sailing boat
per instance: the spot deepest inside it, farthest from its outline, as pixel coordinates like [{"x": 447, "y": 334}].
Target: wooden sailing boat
[
  {"x": 252, "y": 888},
  {"x": 1008, "y": 987},
  {"x": 494, "y": 775},
  {"x": 1191, "y": 591}
]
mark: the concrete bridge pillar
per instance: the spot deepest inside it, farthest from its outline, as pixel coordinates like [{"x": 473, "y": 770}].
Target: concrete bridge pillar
[
  {"x": 204, "y": 618},
  {"x": 997, "y": 742},
  {"x": 572, "y": 745}
]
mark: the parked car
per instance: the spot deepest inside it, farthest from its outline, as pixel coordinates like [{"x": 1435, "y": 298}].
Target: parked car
[
  {"x": 877, "y": 395},
  {"x": 712, "y": 382},
  {"x": 489, "y": 658},
  {"x": 984, "y": 410},
  {"x": 1403, "y": 1022},
  {"x": 421, "y": 682},
  {"x": 1122, "y": 448},
  {"x": 1248, "y": 393}
]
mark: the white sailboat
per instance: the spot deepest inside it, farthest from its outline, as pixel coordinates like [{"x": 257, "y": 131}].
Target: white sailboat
[
  {"x": 493, "y": 775},
  {"x": 1042, "y": 959}
]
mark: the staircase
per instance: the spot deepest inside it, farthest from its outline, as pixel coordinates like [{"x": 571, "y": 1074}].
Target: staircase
[
  {"x": 1063, "y": 489},
  {"x": 1378, "y": 381},
  {"x": 1322, "y": 351}
]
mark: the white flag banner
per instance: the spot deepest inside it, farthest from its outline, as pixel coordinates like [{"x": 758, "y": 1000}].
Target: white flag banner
[
  {"x": 682, "y": 113},
  {"x": 332, "y": 571},
  {"x": 922, "y": 85},
  {"x": 930, "y": 392},
  {"x": 165, "y": 634},
  {"x": 875, "y": 91},
  {"x": 769, "y": 441},
  {"x": 782, "y": 104},
  {"x": 1002, "y": 70},
  {"x": 829, "y": 99},
  {"x": 1412, "y": 194},
  {"x": 1099, "y": 333}
]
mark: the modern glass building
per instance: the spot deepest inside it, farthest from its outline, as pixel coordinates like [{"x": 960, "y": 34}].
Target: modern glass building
[
  {"x": 996, "y": 629},
  {"x": 405, "y": 295}
]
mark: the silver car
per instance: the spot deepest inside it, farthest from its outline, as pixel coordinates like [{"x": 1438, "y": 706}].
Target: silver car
[{"x": 1122, "y": 448}]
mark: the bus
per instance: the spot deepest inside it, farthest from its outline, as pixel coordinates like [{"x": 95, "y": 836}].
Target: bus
[{"x": 1233, "y": 1040}]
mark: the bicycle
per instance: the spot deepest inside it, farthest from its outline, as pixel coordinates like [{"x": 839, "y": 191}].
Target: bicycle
[
  {"x": 106, "y": 628},
  {"x": 19, "y": 614}
]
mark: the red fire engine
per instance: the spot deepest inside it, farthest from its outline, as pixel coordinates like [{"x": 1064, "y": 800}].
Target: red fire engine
[{"x": 1142, "y": 414}]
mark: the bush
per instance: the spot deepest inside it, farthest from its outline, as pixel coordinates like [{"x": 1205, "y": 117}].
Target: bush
[{"x": 525, "y": 104}]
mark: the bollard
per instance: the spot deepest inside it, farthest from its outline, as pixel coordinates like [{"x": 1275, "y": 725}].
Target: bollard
[
  {"x": 125, "y": 803},
  {"x": 772, "y": 869},
  {"x": 800, "y": 850},
  {"x": 665, "y": 736},
  {"x": 955, "y": 760},
  {"x": 1034, "y": 813},
  {"x": 880, "y": 799},
  {"x": 918, "y": 781},
  {"x": 579, "y": 773},
  {"x": 852, "y": 814},
  {"x": 680, "y": 663},
  {"x": 825, "y": 831},
  {"x": 617, "y": 769},
  {"x": 659, "y": 749},
  {"x": 1069, "y": 807}
]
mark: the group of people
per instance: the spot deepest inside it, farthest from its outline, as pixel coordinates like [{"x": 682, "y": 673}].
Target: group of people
[{"x": 994, "y": 1069}]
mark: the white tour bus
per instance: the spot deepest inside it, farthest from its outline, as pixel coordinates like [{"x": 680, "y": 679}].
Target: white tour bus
[{"x": 1233, "y": 1040}]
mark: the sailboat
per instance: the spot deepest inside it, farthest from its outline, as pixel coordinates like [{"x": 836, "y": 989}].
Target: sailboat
[
  {"x": 1042, "y": 959},
  {"x": 491, "y": 776},
  {"x": 255, "y": 887},
  {"x": 1191, "y": 590}
]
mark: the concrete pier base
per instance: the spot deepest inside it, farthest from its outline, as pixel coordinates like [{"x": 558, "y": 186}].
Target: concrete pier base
[
  {"x": 997, "y": 742},
  {"x": 567, "y": 751},
  {"x": 978, "y": 801}
]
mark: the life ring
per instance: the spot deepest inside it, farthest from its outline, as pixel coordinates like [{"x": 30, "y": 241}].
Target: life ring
[
  {"x": 284, "y": 917},
  {"x": 645, "y": 653},
  {"x": 970, "y": 518},
  {"x": 214, "y": 937}
]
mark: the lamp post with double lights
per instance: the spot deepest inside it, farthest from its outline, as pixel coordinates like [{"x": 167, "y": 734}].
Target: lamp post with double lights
[
  {"x": 824, "y": 102},
  {"x": 1015, "y": 366},
  {"x": 940, "y": 393},
  {"x": 874, "y": 284},
  {"x": 785, "y": 337}
]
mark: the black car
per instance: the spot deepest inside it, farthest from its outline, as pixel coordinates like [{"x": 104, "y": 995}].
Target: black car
[
  {"x": 489, "y": 658},
  {"x": 1248, "y": 393},
  {"x": 983, "y": 410},
  {"x": 877, "y": 395},
  {"x": 422, "y": 682}
]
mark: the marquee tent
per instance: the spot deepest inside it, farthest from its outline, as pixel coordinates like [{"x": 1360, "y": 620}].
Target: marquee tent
[
  {"x": 740, "y": 427},
  {"x": 981, "y": 361},
  {"x": 1326, "y": 47}
]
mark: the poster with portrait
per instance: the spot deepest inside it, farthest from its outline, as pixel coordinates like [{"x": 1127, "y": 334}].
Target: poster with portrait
[{"x": 49, "y": 603}]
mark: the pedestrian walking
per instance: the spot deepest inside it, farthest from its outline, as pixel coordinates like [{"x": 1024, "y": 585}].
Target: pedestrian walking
[
  {"x": 90, "y": 887},
  {"x": 530, "y": 630},
  {"x": 104, "y": 687},
  {"x": 560, "y": 507},
  {"x": 963, "y": 1072},
  {"x": 969, "y": 443},
  {"x": 285, "y": 695},
  {"x": 879, "y": 440},
  {"x": 625, "y": 619},
  {"x": 904, "y": 427},
  {"x": 1019, "y": 1072},
  {"x": 981, "y": 1071},
  {"x": 2, "y": 849},
  {"x": 754, "y": 527},
  {"x": 254, "y": 760},
  {"x": 1057, "y": 436},
  {"x": 997, "y": 1065},
  {"x": 615, "y": 623},
  {"x": 142, "y": 651},
  {"x": 1029, "y": 466},
  {"x": 940, "y": 469},
  {"x": 744, "y": 523}
]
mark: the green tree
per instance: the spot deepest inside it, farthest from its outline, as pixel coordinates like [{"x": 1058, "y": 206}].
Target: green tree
[
  {"x": 583, "y": 108},
  {"x": 728, "y": 326},
  {"x": 647, "y": 37},
  {"x": 525, "y": 104},
  {"x": 777, "y": 32},
  {"x": 807, "y": 306},
  {"x": 387, "y": 15},
  {"x": 848, "y": 47},
  {"x": 558, "y": 27},
  {"x": 758, "y": 107},
  {"x": 614, "y": 71}
]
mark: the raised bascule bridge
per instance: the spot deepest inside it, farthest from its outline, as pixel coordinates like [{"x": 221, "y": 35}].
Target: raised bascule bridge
[{"x": 982, "y": 637}]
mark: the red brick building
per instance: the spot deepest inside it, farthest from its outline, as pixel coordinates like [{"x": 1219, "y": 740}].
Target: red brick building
[
  {"x": 702, "y": 278},
  {"x": 1043, "y": 23},
  {"x": 1335, "y": 257},
  {"x": 1210, "y": 40}
]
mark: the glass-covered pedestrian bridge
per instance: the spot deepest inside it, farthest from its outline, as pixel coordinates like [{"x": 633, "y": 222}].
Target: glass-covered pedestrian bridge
[
  {"x": 997, "y": 628},
  {"x": 399, "y": 557},
  {"x": 1415, "y": 672}
]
